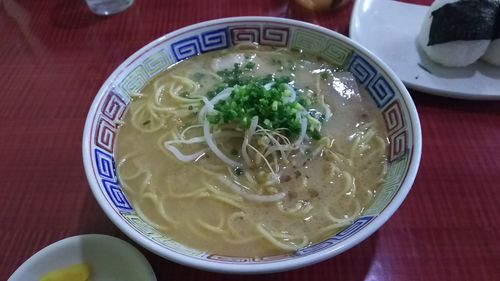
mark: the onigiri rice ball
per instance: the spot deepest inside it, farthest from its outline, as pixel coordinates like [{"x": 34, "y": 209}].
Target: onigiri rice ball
[{"x": 457, "y": 53}]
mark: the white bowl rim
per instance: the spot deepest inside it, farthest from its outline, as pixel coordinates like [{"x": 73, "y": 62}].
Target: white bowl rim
[{"x": 274, "y": 266}]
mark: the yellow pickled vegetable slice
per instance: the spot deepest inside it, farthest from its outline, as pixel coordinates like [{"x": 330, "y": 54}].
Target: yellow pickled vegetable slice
[{"x": 75, "y": 272}]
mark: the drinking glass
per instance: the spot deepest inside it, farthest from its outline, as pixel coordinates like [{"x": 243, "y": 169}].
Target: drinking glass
[{"x": 108, "y": 7}]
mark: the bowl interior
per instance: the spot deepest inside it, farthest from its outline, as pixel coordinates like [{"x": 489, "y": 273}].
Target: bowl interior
[{"x": 387, "y": 92}]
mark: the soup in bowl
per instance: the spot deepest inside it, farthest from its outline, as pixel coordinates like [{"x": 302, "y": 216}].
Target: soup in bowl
[{"x": 251, "y": 145}]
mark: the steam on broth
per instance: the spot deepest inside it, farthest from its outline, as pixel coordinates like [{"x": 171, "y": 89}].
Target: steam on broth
[{"x": 251, "y": 151}]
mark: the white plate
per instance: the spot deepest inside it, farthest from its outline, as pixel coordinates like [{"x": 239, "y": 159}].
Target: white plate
[
  {"x": 389, "y": 29},
  {"x": 109, "y": 258}
]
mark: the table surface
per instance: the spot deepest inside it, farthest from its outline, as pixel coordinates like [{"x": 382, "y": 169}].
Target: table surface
[{"x": 54, "y": 56}]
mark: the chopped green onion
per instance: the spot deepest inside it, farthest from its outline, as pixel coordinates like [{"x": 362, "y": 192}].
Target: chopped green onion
[
  {"x": 250, "y": 98},
  {"x": 249, "y": 65}
]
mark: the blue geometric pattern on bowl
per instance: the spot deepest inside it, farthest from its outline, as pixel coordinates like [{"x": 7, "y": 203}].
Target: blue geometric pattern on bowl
[
  {"x": 367, "y": 75},
  {"x": 204, "y": 42},
  {"x": 106, "y": 169},
  {"x": 342, "y": 235}
]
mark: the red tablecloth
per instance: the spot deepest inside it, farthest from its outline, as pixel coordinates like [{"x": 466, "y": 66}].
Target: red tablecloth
[{"x": 54, "y": 55}]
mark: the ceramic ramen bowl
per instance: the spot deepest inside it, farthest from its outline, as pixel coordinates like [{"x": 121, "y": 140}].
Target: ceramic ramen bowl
[{"x": 387, "y": 91}]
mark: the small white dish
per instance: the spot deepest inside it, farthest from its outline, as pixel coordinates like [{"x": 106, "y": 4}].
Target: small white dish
[
  {"x": 389, "y": 29},
  {"x": 109, "y": 258}
]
